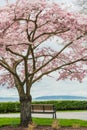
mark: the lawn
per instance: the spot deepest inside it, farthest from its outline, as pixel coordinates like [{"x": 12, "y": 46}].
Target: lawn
[{"x": 43, "y": 121}]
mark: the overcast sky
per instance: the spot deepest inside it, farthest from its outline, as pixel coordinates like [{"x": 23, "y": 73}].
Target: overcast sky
[{"x": 49, "y": 86}]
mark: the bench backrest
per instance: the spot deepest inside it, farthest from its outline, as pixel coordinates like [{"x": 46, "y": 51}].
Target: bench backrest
[{"x": 42, "y": 107}]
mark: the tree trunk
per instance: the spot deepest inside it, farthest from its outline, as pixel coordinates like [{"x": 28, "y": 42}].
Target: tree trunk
[{"x": 25, "y": 113}]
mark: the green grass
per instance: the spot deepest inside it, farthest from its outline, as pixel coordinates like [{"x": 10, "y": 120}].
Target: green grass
[
  {"x": 42, "y": 121},
  {"x": 9, "y": 121},
  {"x": 70, "y": 122},
  {"x": 62, "y": 122}
]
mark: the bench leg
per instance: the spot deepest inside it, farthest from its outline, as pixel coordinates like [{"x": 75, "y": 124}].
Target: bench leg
[{"x": 54, "y": 115}]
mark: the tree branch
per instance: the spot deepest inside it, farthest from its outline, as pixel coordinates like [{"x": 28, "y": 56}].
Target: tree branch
[
  {"x": 50, "y": 33},
  {"x": 15, "y": 53},
  {"x": 33, "y": 58},
  {"x": 55, "y": 56},
  {"x": 57, "y": 68},
  {"x": 4, "y": 64}
]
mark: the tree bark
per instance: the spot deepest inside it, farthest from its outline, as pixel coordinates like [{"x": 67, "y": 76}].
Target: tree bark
[{"x": 25, "y": 113}]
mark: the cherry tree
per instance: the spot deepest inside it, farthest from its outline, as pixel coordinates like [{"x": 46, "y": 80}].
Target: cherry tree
[{"x": 27, "y": 29}]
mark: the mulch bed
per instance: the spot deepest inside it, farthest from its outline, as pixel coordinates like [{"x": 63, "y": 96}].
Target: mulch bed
[{"x": 42, "y": 128}]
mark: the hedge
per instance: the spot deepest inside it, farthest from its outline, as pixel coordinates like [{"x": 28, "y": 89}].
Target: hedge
[
  {"x": 13, "y": 107},
  {"x": 67, "y": 105},
  {"x": 8, "y": 107}
]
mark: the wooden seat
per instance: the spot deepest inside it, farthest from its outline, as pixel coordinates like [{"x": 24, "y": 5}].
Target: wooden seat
[{"x": 43, "y": 108}]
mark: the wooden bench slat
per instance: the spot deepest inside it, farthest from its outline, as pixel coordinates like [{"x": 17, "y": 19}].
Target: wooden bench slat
[{"x": 43, "y": 108}]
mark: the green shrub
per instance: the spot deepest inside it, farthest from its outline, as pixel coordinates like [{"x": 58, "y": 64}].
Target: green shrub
[
  {"x": 67, "y": 105},
  {"x": 8, "y": 107}
]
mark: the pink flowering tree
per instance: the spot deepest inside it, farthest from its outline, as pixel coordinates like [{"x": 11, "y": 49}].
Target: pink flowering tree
[{"x": 27, "y": 30}]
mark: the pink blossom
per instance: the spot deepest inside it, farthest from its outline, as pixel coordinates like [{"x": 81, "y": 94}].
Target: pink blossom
[{"x": 25, "y": 26}]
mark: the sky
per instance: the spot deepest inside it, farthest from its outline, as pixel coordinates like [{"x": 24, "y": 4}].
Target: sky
[{"x": 49, "y": 86}]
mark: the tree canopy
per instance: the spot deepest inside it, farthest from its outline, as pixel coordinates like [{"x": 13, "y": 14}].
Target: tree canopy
[
  {"x": 27, "y": 31},
  {"x": 25, "y": 26}
]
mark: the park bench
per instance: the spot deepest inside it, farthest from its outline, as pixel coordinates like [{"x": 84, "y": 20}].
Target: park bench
[{"x": 43, "y": 109}]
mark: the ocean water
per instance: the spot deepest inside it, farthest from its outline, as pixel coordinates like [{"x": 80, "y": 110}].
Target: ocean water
[
  {"x": 8, "y": 99},
  {"x": 45, "y": 98}
]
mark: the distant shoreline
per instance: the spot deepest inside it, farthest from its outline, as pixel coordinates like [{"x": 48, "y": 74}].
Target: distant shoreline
[
  {"x": 44, "y": 98},
  {"x": 8, "y": 99}
]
